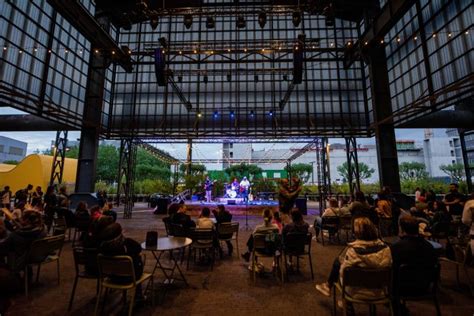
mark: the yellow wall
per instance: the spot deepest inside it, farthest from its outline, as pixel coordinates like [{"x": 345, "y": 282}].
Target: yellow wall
[{"x": 35, "y": 170}]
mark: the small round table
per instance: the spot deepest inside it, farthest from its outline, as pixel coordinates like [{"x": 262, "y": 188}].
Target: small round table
[{"x": 168, "y": 244}]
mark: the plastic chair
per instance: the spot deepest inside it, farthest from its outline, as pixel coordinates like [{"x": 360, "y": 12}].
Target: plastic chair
[
  {"x": 355, "y": 278},
  {"x": 415, "y": 283},
  {"x": 111, "y": 267},
  {"x": 266, "y": 249},
  {"x": 85, "y": 263},
  {"x": 298, "y": 245},
  {"x": 229, "y": 232},
  {"x": 331, "y": 225},
  {"x": 203, "y": 240},
  {"x": 43, "y": 251}
]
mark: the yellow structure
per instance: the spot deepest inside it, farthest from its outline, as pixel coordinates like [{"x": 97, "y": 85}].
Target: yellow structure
[{"x": 35, "y": 170}]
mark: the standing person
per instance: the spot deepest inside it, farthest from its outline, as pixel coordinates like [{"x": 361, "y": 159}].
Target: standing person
[
  {"x": 6, "y": 197},
  {"x": 37, "y": 198},
  {"x": 417, "y": 194},
  {"x": 244, "y": 188},
  {"x": 208, "y": 184},
  {"x": 454, "y": 200},
  {"x": 50, "y": 202},
  {"x": 23, "y": 195}
]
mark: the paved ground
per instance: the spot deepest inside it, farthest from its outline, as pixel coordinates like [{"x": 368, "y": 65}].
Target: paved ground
[{"x": 227, "y": 290}]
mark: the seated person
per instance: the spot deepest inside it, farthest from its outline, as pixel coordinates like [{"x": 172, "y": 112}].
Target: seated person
[
  {"x": 204, "y": 222},
  {"x": 16, "y": 245},
  {"x": 177, "y": 215},
  {"x": 109, "y": 211},
  {"x": 81, "y": 210},
  {"x": 266, "y": 227},
  {"x": 331, "y": 211},
  {"x": 412, "y": 249},
  {"x": 384, "y": 206},
  {"x": 367, "y": 251},
  {"x": 361, "y": 208},
  {"x": 298, "y": 225},
  {"x": 95, "y": 212},
  {"x": 440, "y": 218},
  {"x": 277, "y": 221},
  {"x": 224, "y": 216}
]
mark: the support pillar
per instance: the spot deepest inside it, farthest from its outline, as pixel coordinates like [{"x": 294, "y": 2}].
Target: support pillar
[
  {"x": 353, "y": 176},
  {"x": 59, "y": 157},
  {"x": 468, "y": 157},
  {"x": 189, "y": 156},
  {"x": 324, "y": 176},
  {"x": 384, "y": 131},
  {"x": 92, "y": 116},
  {"x": 126, "y": 177}
]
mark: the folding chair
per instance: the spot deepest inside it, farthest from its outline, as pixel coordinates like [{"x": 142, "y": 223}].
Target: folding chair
[
  {"x": 85, "y": 264},
  {"x": 229, "y": 232},
  {"x": 264, "y": 248},
  {"x": 297, "y": 245}
]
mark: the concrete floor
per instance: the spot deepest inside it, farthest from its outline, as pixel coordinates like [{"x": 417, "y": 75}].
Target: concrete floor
[{"x": 227, "y": 290}]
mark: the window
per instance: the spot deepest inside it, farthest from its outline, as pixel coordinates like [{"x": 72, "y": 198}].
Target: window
[
  {"x": 2, "y": 147},
  {"x": 264, "y": 174},
  {"x": 231, "y": 154},
  {"x": 15, "y": 151},
  {"x": 277, "y": 175}
]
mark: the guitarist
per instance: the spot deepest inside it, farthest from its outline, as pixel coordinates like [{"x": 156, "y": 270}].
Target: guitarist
[{"x": 208, "y": 184}]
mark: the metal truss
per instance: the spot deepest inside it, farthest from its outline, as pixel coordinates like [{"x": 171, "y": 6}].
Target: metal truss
[
  {"x": 353, "y": 176},
  {"x": 468, "y": 156},
  {"x": 59, "y": 157},
  {"x": 126, "y": 176},
  {"x": 322, "y": 166}
]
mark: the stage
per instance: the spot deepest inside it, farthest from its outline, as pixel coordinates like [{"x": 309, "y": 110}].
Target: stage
[{"x": 236, "y": 206}]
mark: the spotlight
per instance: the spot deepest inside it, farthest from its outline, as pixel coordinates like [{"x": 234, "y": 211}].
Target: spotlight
[
  {"x": 188, "y": 21},
  {"x": 154, "y": 22},
  {"x": 210, "y": 23},
  {"x": 199, "y": 114},
  {"x": 270, "y": 113},
  {"x": 252, "y": 114},
  {"x": 216, "y": 114},
  {"x": 240, "y": 22},
  {"x": 232, "y": 114},
  {"x": 262, "y": 19},
  {"x": 255, "y": 78},
  {"x": 296, "y": 18},
  {"x": 229, "y": 77},
  {"x": 205, "y": 79}
]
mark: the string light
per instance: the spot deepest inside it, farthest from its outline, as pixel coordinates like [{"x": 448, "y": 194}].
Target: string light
[
  {"x": 467, "y": 32},
  {"x": 434, "y": 34},
  {"x": 245, "y": 50},
  {"x": 180, "y": 52},
  {"x": 195, "y": 51},
  {"x": 263, "y": 50},
  {"x": 35, "y": 49},
  {"x": 366, "y": 43},
  {"x": 228, "y": 50},
  {"x": 399, "y": 39},
  {"x": 49, "y": 51},
  {"x": 382, "y": 41},
  {"x": 415, "y": 38},
  {"x": 4, "y": 48},
  {"x": 66, "y": 51},
  {"x": 331, "y": 44},
  {"x": 450, "y": 34},
  {"x": 96, "y": 51},
  {"x": 113, "y": 52}
]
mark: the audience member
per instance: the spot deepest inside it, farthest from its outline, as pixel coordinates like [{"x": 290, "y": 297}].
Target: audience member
[
  {"x": 16, "y": 245},
  {"x": 361, "y": 208},
  {"x": 95, "y": 212},
  {"x": 204, "y": 221},
  {"x": 454, "y": 200},
  {"x": 468, "y": 218},
  {"x": 384, "y": 206},
  {"x": 265, "y": 227},
  {"x": 108, "y": 210},
  {"x": 224, "y": 216},
  {"x": 298, "y": 225},
  {"x": 37, "y": 198},
  {"x": 50, "y": 202},
  {"x": 367, "y": 251},
  {"x": 6, "y": 196},
  {"x": 277, "y": 221},
  {"x": 23, "y": 195},
  {"x": 177, "y": 214},
  {"x": 440, "y": 219}
]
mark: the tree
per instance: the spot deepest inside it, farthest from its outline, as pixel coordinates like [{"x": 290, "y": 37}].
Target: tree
[
  {"x": 244, "y": 170},
  {"x": 300, "y": 170},
  {"x": 455, "y": 171},
  {"x": 11, "y": 162},
  {"x": 364, "y": 171},
  {"x": 412, "y": 171},
  {"x": 107, "y": 163}
]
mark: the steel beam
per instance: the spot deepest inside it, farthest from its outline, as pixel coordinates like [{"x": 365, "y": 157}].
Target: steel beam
[
  {"x": 126, "y": 176},
  {"x": 353, "y": 175},
  {"x": 59, "y": 157}
]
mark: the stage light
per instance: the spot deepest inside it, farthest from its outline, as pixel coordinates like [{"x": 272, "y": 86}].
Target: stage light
[
  {"x": 296, "y": 18},
  {"x": 270, "y": 113},
  {"x": 255, "y": 78},
  {"x": 205, "y": 79},
  {"x": 216, "y": 114},
  {"x": 232, "y": 114},
  {"x": 240, "y": 22},
  {"x": 154, "y": 22},
  {"x": 229, "y": 77},
  {"x": 252, "y": 114},
  {"x": 199, "y": 114},
  {"x": 262, "y": 19},
  {"x": 210, "y": 23},
  {"x": 188, "y": 21}
]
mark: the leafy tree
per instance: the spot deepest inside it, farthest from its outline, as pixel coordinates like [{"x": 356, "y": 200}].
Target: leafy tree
[
  {"x": 107, "y": 163},
  {"x": 244, "y": 170},
  {"x": 300, "y": 170},
  {"x": 412, "y": 170},
  {"x": 455, "y": 171},
  {"x": 11, "y": 162},
  {"x": 364, "y": 171},
  {"x": 195, "y": 169}
]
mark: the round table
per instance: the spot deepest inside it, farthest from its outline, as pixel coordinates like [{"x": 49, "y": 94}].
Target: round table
[{"x": 168, "y": 244}]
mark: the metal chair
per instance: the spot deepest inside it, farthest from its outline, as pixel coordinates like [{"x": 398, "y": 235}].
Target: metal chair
[
  {"x": 82, "y": 226},
  {"x": 203, "y": 240},
  {"x": 345, "y": 225},
  {"x": 229, "y": 232},
  {"x": 415, "y": 283},
  {"x": 60, "y": 227},
  {"x": 462, "y": 259},
  {"x": 355, "y": 278},
  {"x": 264, "y": 248},
  {"x": 178, "y": 230},
  {"x": 43, "y": 251},
  {"x": 111, "y": 267},
  {"x": 329, "y": 224},
  {"x": 297, "y": 245},
  {"x": 167, "y": 222},
  {"x": 85, "y": 264}
]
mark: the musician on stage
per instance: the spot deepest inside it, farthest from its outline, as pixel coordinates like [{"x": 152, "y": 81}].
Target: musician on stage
[
  {"x": 208, "y": 184},
  {"x": 235, "y": 185},
  {"x": 244, "y": 188}
]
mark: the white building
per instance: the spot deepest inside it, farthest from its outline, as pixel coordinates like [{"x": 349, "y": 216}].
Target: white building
[{"x": 12, "y": 149}]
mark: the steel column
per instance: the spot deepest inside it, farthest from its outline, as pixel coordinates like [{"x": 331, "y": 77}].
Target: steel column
[
  {"x": 353, "y": 176},
  {"x": 59, "y": 157},
  {"x": 322, "y": 165},
  {"x": 126, "y": 177},
  {"x": 466, "y": 154},
  {"x": 384, "y": 130}
]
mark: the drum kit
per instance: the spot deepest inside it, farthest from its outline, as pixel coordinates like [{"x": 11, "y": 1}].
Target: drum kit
[{"x": 231, "y": 191}]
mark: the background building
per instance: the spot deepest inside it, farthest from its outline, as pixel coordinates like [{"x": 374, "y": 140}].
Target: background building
[{"x": 12, "y": 149}]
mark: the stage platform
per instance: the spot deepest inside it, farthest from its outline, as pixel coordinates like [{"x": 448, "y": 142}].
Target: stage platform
[{"x": 235, "y": 206}]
